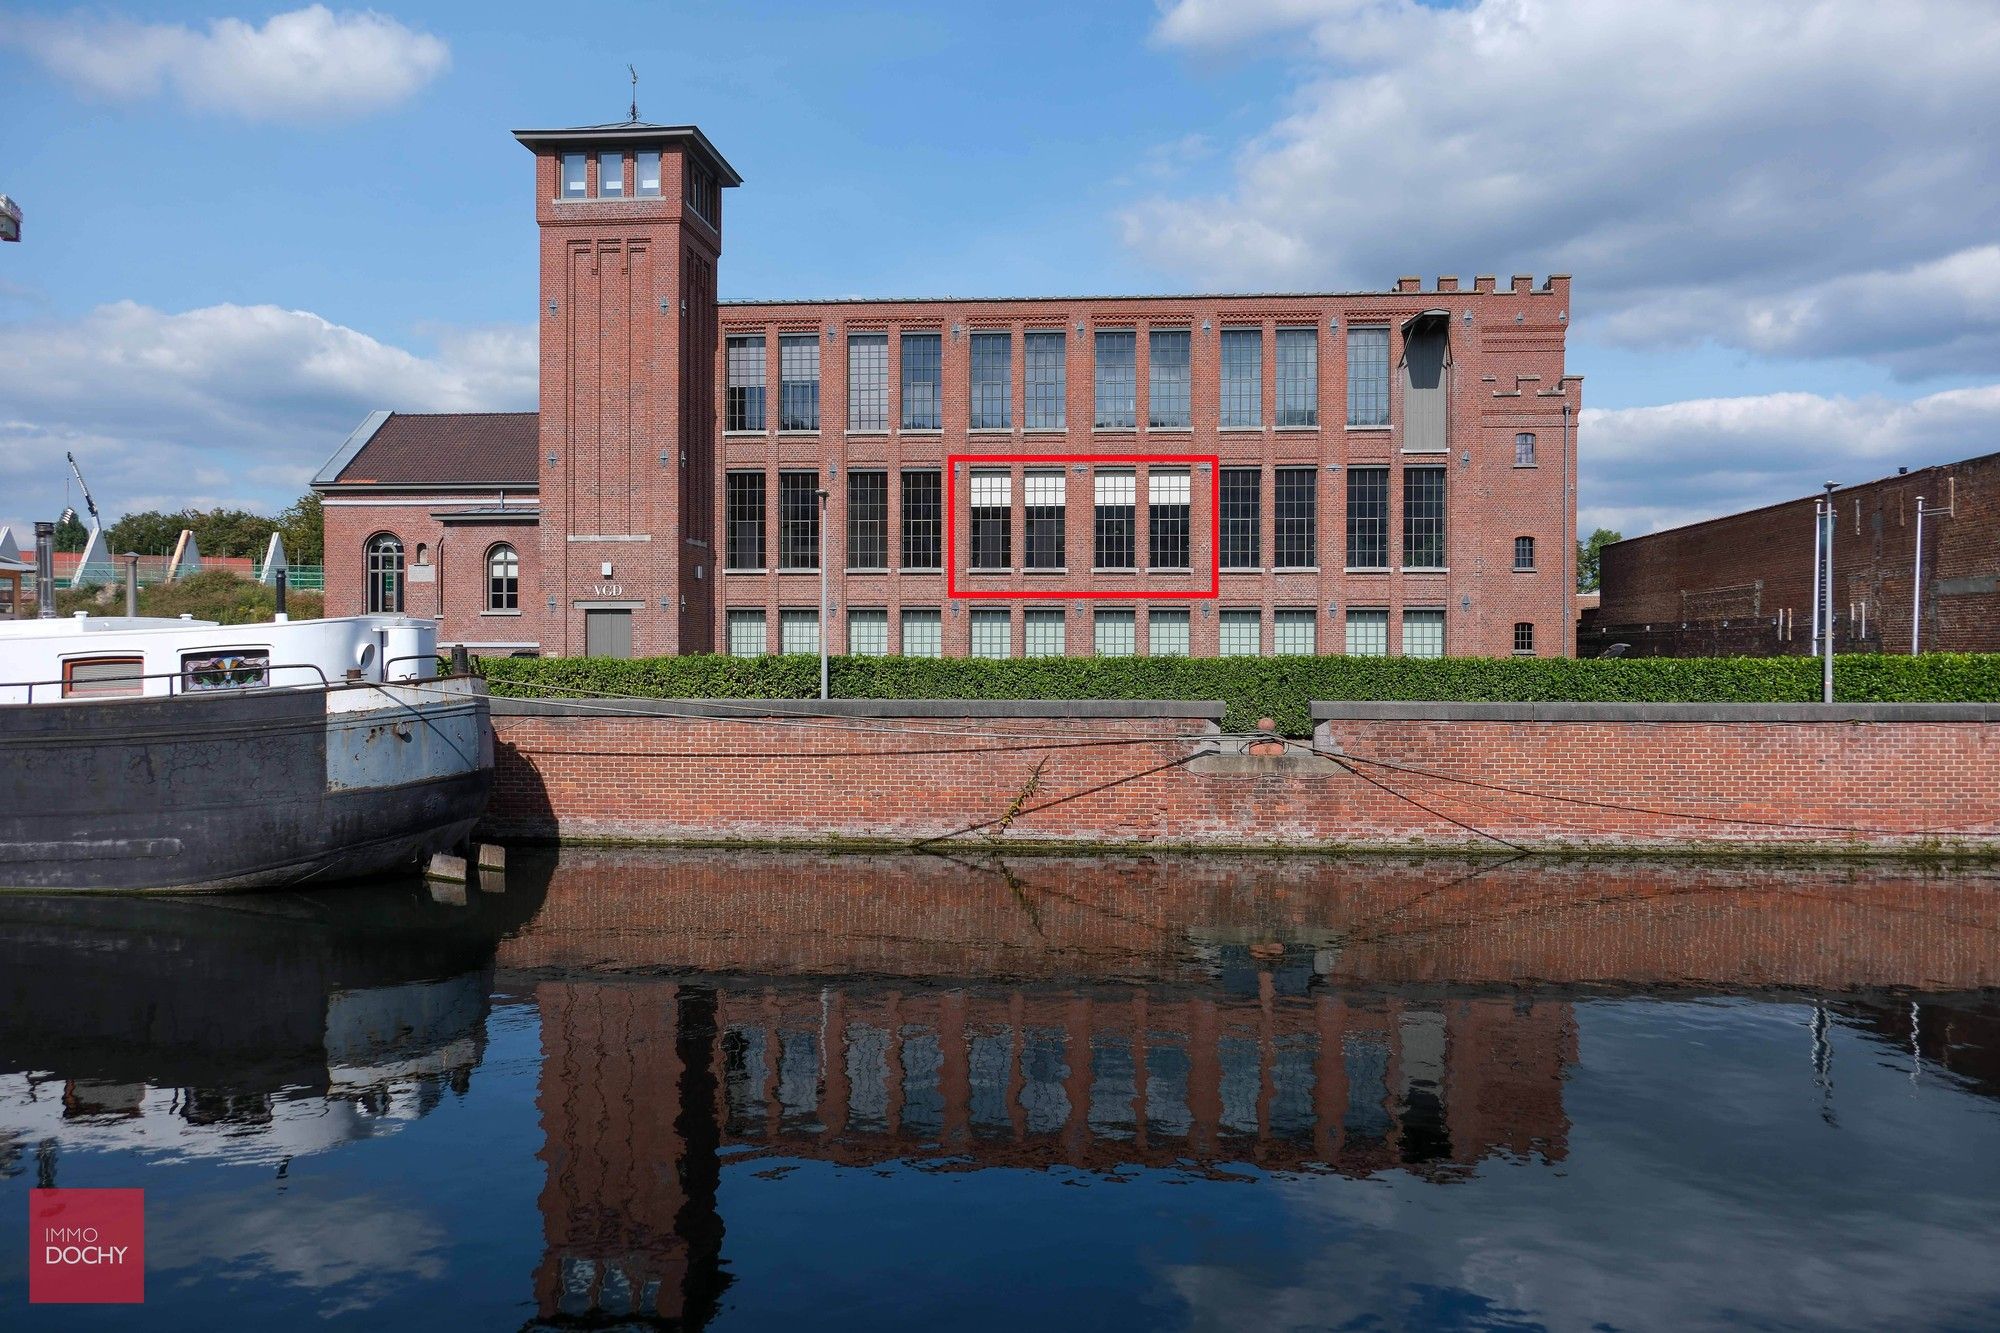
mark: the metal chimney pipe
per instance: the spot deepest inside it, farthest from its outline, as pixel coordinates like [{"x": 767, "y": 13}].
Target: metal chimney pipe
[
  {"x": 278, "y": 582},
  {"x": 131, "y": 559},
  {"x": 45, "y": 571}
]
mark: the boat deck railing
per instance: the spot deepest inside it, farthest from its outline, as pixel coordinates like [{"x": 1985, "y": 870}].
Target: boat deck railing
[{"x": 179, "y": 681}]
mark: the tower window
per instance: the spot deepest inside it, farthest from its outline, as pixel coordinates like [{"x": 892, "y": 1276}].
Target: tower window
[
  {"x": 1524, "y": 553},
  {"x": 701, "y": 193},
  {"x": 574, "y": 184},
  {"x": 1524, "y": 449},
  {"x": 646, "y": 173},
  {"x": 611, "y": 175}
]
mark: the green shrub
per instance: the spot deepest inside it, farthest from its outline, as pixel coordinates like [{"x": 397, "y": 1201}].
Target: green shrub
[
  {"x": 213, "y": 594},
  {"x": 1283, "y": 688}
]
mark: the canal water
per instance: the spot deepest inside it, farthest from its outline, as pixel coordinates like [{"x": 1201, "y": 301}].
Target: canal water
[{"x": 744, "y": 1091}]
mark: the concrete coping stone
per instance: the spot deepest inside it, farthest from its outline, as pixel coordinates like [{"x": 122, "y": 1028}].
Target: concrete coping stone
[
  {"x": 908, "y": 708},
  {"x": 1413, "y": 711}
]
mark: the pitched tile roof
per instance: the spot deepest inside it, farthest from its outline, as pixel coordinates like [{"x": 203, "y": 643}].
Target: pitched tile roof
[{"x": 448, "y": 449}]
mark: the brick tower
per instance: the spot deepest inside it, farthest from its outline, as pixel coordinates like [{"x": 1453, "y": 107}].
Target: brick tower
[{"x": 631, "y": 230}]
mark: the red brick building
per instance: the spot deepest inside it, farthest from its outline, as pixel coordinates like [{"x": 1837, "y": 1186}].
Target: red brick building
[
  {"x": 1375, "y": 472},
  {"x": 1744, "y": 583}
]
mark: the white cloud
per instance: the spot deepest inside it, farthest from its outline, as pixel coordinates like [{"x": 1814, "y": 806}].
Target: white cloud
[
  {"x": 308, "y": 64},
  {"x": 225, "y": 405},
  {"x": 1790, "y": 176},
  {"x": 1646, "y": 468}
]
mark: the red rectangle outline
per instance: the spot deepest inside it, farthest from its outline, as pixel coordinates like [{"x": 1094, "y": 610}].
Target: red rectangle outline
[{"x": 1214, "y": 590}]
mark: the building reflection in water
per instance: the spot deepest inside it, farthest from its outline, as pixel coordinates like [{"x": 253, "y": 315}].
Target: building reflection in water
[{"x": 1203, "y": 1017}]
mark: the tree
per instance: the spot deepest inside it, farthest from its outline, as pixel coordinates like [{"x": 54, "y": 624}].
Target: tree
[
  {"x": 70, "y": 533},
  {"x": 149, "y": 533},
  {"x": 1587, "y": 553},
  {"x": 304, "y": 530}
]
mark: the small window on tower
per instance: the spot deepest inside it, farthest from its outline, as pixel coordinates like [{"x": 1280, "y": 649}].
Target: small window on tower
[
  {"x": 611, "y": 175},
  {"x": 646, "y": 174},
  {"x": 574, "y": 186}
]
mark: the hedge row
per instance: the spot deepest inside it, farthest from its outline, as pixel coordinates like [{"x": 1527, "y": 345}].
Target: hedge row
[{"x": 1282, "y": 688}]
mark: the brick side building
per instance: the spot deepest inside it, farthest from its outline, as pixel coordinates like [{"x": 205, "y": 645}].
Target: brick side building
[
  {"x": 1744, "y": 583},
  {"x": 1377, "y": 472}
]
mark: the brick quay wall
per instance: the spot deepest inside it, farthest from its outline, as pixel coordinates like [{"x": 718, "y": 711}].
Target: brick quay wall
[{"x": 1493, "y": 777}]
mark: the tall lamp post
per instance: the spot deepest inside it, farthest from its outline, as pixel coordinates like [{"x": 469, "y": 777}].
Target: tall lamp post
[
  {"x": 823, "y": 494},
  {"x": 1917, "y": 572}
]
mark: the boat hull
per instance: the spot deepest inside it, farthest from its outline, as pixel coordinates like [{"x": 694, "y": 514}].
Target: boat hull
[{"x": 239, "y": 789}]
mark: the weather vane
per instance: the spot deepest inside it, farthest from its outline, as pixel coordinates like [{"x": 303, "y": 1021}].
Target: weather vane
[{"x": 635, "y": 93}]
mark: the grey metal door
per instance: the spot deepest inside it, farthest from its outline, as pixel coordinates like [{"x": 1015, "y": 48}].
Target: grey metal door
[{"x": 607, "y": 633}]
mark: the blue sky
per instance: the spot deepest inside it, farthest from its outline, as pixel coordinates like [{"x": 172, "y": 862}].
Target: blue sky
[{"x": 248, "y": 226}]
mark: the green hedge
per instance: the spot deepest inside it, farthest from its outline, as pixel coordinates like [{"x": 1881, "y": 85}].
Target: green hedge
[{"x": 1283, "y": 688}]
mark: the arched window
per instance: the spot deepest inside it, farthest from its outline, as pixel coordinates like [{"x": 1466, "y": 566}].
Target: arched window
[
  {"x": 503, "y": 579},
  {"x": 385, "y": 572},
  {"x": 1524, "y": 554},
  {"x": 1524, "y": 449}
]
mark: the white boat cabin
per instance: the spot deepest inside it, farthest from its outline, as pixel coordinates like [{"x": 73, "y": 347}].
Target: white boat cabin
[{"x": 84, "y": 657}]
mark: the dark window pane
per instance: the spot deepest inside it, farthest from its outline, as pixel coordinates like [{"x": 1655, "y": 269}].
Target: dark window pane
[
  {"x": 1047, "y": 380},
  {"x": 1043, "y": 513},
  {"x": 1298, "y": 377},
  {"x": 992, "y": 381},
  {"x": 868, "y": 520},
  {"x": 1114, "y": 524},
  {"x": 1117, "y": 379},
  {"x": 992, "y": 526},
  {"x": 743, "y": 399},
  {"x": 868, "y": 381},
  {"x": 1167, "y": 518},
  {"x": 1167, "y": 378},
  {"x": 798, "y": 381},
  {"x": 798, "y": 520},
  {"x": 921, "y": 352},
  {"x": 1242, "y": 517},
  {"x": 1368, "y": 517},
  {"x": 1368, "y": 377},
  {"x": 1423, "y": 517},
  {"x": 1295, "y": 514},
  {"x": 1524, "y": 553},
  {"x": 743, "y": 516},
  {"x": 1242, "y": 377},
  {"x": 923, "y": 520}
]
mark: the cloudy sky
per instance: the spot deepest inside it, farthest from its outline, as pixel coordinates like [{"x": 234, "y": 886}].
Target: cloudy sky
[{"x": 248, "y": 227}]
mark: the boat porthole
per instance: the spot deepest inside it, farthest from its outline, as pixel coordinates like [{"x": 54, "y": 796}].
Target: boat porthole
[{"x": 364, "y": 657}]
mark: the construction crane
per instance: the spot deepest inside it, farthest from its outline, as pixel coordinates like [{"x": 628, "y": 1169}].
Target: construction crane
[{"x": 94, "y": 543}]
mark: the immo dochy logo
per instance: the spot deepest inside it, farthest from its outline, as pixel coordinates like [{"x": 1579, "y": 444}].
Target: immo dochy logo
[{"x": 86, "y": 1247}]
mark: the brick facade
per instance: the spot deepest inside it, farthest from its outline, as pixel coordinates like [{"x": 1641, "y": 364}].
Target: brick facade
[
  {"x": 1744, "y": 583},
  {"x": 1422, "y": 775},
  {"x": 632, "y": 453}
]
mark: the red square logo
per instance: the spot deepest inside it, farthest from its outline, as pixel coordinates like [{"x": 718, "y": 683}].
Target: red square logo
[{"x": 86, "y": 1247}]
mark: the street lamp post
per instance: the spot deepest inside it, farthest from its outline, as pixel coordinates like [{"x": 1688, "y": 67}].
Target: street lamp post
[{"x": 822, "y": 493}]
